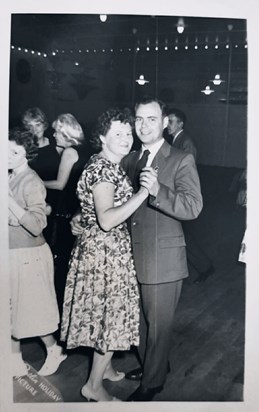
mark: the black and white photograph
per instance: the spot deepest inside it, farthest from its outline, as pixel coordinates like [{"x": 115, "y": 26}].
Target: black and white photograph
[{"x": 129, "y": 209}]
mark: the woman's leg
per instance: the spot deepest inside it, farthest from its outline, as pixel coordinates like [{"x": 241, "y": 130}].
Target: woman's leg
[
  {"x": 54, "y": 357},
  {"x": 94, "y": 388},
  {"x": 111, "y": 374},
  {"x": 48, "y": 340}
]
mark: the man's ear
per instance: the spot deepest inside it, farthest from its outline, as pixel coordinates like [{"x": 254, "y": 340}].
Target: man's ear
[{"x": 165, "y": 122}]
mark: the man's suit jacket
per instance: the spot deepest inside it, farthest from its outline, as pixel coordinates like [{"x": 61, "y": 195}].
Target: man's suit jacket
[
  {"x": 157, "y": 235},
  {"x": 184, "y": 142}
]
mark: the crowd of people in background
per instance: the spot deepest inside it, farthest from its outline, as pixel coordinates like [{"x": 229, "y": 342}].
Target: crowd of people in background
[{"x": 97, "y": 244}]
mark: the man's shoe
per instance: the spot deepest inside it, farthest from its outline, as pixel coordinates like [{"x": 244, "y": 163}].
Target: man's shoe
[
  {"x": 136, "y": 374},
  {"x": 142, "y": 394},
  {"x": 204, "y": 275}
]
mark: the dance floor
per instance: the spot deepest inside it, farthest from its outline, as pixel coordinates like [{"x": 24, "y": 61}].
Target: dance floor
[{"x": 207, "y": 355}]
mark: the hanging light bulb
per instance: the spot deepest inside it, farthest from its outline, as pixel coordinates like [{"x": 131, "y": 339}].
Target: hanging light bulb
[
  {"x": 103, "y": 18},
  {"x": 207, "y": 90},
  {"x": 180, "y": 25},
  {"x": 196, "y": 43},
  {"x": 141, "y": 80},
  {"x": 217, "y": 42},
  {"x": 217, "y": 80},
  {"x": 186, "y": 43}
]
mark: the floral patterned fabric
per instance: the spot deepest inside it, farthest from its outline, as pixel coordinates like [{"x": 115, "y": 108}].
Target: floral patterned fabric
[{"x": 101, "y": 304}]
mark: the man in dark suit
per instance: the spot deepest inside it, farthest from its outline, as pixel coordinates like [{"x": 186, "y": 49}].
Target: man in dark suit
[
  {"x": 158, "y": 240},
  {"x": 177, "y": 137}
]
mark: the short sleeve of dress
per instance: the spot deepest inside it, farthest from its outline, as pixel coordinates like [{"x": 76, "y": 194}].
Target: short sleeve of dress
[{"x": 104, "y": 172}]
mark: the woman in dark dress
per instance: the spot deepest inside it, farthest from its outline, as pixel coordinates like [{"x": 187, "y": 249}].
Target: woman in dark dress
[
  {"x": 46, "y": 163},
  {"x": 73, "y": 150}
]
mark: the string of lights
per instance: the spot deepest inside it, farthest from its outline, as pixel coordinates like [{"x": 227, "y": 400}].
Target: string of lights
[{"x": 148, "y": 47}]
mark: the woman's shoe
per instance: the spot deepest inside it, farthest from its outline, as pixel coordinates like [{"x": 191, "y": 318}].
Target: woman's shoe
[
  {"x": 90, "y": 396},
  {"x": 118, "y": 376},
  {"x": 52, "y": 361}
]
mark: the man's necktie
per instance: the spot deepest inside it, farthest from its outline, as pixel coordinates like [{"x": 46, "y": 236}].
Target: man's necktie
[{"x": 140, "y": 164}]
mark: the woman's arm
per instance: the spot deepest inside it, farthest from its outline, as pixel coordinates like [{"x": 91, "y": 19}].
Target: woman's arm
[
  {"x": 15, "y": 208},
  {"x": 33, "y": 217},
  {"x": 110, "y": 216},
  {"x": 68, "y": 159}
]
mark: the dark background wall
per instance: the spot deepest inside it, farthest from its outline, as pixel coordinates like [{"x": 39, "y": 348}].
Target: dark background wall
[{"x": 88, "y": 77}]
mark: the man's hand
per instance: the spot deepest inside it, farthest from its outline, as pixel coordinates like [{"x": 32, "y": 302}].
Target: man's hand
[
  {"x": 76, "y": 227},
  {"x": 148, "y": 179}
]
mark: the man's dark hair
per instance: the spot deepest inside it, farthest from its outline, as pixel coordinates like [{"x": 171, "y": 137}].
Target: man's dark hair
[
  {"x": 149, "y": 99},
  {"x": 178, "y": 113}
]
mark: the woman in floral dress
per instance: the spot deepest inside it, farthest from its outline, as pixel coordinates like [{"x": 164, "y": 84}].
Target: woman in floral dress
[{"x": 101, "y": 304}]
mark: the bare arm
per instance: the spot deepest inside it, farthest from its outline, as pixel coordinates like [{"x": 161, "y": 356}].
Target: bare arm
[
  {"x": 68, "y": 159},
  {"x": 110, "y": 216}
]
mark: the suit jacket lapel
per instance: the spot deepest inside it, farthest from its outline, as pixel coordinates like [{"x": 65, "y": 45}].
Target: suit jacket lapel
[{"x": 162, "y": 153}]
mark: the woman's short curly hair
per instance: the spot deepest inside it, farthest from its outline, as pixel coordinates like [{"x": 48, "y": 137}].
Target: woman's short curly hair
[
  {"x": 104, "y": 122},
  {"x": 24, "y": 138},
  {"x": 34, "y": 114}
]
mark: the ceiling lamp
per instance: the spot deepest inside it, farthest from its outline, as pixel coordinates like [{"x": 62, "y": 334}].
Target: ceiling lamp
[
  {"x": 141, "y": 80},
  {"x": 207, "y": 90},
  {"x": 217, "y": 80},
  {"x": 103, "y": 18},
  {"x": 180, "y": 25}
]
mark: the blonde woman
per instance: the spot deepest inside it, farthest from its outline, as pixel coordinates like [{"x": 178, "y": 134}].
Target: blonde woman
[{"x": 73, "y": 151}]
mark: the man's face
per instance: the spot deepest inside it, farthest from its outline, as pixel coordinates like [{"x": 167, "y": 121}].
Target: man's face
[
  {"x": 149, "y": 123},
  {"x": 174, "y": 124}
]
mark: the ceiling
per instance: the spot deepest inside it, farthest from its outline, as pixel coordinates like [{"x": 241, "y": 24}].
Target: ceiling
[{"x": 48, "y": 32}]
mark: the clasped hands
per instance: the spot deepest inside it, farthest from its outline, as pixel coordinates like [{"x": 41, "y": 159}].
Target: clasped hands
[{"x": 148, "y": 179}]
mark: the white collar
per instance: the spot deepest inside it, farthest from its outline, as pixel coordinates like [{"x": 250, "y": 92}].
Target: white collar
[
  {"x": 153, "y": 150},
  {"x": 177, "y": 134}
]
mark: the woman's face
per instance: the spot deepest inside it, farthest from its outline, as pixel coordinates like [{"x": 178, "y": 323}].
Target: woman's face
[
  {"x": 16, "y": 155},
  {"x": 36, "y": 127},
  {"x": 118, "y": 139}
]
